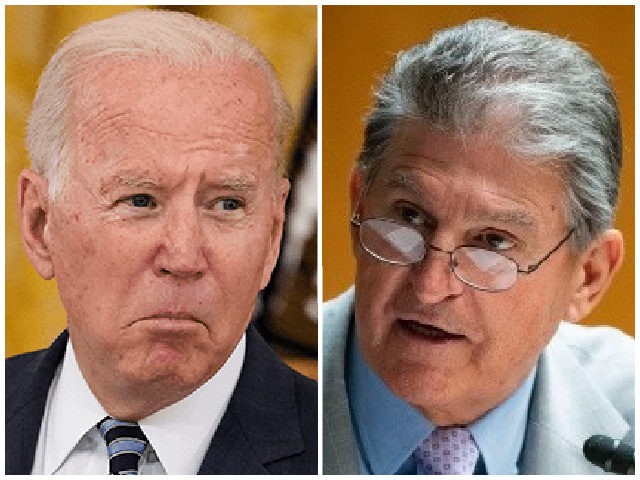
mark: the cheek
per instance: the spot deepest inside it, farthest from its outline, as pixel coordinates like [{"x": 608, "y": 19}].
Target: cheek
[
  {"x": 95, "y": 264},
  {"x": 377, "y": 287},
  {"x": 518, "y": 327},
  {"x": 75, "y": 246},
  {"x": 71, "y": 232},
  {"x": 78, "y": 280},
  {"x": 103, "y": 250},
  {"x": 543, "y": 305},
  {"x": 237, "y": 258}
]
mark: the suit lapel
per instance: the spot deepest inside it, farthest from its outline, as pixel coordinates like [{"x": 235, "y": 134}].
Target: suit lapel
[
  {"x": 230, "y": 451},
  {"x": 260, "y": 424},
  {"x": 340, "y": 452},
  {"x": 26, "y": 398},
  {"x": 566, "y": 409}
]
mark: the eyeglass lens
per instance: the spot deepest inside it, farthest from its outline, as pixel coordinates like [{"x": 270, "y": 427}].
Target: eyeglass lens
[
  {"x": 392, "y": 241},
  {"x": 484, "y": 268},
  {"x": 399, "y": 244}
]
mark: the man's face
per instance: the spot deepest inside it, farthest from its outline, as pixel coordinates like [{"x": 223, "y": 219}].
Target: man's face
[
  {"x": 170, "y": 221},
  {"x": 471, "y": 193}
]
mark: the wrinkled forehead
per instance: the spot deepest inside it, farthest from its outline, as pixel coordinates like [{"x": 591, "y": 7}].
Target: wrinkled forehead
[
  {"x": 472, "y": 165},
  {"x": 191, "y": 103},
  {"x": 488, "y": 150}
]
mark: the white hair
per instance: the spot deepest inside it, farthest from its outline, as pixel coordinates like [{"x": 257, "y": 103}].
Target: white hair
[{"x": 181, "y": 39}]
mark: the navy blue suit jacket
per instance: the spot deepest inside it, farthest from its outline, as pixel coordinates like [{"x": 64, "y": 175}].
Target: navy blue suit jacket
[{"x": 269, "y": 427}]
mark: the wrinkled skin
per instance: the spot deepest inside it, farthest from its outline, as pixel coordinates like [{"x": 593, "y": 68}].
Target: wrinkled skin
[
  {"x": 167, "y": 228},
  {"x": 471, "y": 192}
]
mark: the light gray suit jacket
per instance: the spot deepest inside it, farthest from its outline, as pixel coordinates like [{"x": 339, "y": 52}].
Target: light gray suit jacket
[{"x": 584, "y": 386}]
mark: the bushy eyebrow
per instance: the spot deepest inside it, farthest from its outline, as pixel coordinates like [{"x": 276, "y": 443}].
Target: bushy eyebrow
[
  {"x": 236, "y": 184},
  {"x": 401, "y": 180},
  {"x": 127, "y": 180},
  {"x": 242, "y": 183},
  {"x": 511, "y": 217}
]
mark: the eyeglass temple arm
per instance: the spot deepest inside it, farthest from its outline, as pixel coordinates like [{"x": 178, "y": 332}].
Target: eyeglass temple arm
[{"x": 532, "y": 268}]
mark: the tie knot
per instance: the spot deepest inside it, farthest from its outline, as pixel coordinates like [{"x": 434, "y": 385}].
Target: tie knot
[
  {"x": 447, "y": 451},
  {"x": 125, "y": 445}
]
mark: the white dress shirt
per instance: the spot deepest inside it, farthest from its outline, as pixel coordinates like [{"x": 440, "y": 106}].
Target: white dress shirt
[{"x": 70, "y": 443}]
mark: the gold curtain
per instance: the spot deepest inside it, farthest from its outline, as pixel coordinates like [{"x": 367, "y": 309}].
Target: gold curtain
[
  {"x": 286, "y": 34},
  {"x": 359, "y": 43}
]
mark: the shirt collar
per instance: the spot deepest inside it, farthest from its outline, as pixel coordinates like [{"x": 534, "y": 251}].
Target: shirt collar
[
  {"x": 73, "y": 411},
  {"x": 500, "y": 432},
  {"x": 180, "y": 433},
  {"x": 388, "y": 429}
]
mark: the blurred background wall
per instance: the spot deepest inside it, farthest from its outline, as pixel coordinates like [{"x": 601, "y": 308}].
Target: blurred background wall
[
  {"x": 359, "y": 44},
  {"x": 287, "y": 36}
]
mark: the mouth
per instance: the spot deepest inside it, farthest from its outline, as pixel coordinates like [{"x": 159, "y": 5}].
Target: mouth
[
  {"x": 427, "y": 332},
  {"x": 171, "y": 320}
]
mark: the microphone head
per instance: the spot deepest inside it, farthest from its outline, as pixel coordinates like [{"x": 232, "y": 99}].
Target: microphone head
[
  {"x": 609, "y": 454},
  {"x": 597, "y": 449}
]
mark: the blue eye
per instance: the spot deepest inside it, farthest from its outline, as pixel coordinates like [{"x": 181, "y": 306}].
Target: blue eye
[
  {"x": 228, "y": 208},
  {"x": 142, "y": 201},
  {"x": 230, "y": 204}
]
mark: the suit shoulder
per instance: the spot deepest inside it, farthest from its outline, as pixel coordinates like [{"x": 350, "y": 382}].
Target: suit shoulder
[
  {"x": 19, "y": 367},
  {"x": 307, "y": 405},
  {"x": 593, "y": 346},
  {"x": 606, "y": 356},
  {"x": 29, "y": 375},
  {"x": 306, "y": 393},
  {"x": 18, "y": 363},
  {"x": 336, "y": 315},
  {"x": 305, "y": 386},
  {"x": 340, "y": 307}
]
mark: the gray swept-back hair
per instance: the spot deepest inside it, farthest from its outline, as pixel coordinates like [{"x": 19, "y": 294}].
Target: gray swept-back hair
[
  {"x": 179, "y": 39},
  {"x": 546, "y": 96}
]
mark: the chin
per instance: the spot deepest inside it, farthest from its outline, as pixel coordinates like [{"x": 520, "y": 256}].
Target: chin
[
  {"x": 179, "y": 366},
  {"x": 419, "y": 386}
]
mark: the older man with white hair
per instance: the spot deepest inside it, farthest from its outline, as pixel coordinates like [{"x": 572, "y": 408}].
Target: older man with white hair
[{"x": 156, "y": 199}]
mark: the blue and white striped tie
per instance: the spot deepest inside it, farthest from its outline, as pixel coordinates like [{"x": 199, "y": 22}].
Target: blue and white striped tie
[{"x": 125, "y": 445}]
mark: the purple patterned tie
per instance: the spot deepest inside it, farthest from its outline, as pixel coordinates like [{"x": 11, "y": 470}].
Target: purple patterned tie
[{"x": 447, "y": 451}]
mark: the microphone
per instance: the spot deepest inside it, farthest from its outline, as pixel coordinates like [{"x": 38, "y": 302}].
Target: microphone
[{"x": 609, "y": 454}]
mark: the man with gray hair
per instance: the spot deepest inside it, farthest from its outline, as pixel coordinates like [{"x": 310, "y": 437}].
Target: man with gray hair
[
  {"x": 156, "y": 199},
  {"x": 482, "y": 209}
]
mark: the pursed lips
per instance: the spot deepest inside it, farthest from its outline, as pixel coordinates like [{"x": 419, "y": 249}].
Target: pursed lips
[{"x": 171, "y": 316}]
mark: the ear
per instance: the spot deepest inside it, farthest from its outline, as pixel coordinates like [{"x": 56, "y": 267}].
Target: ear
[
  {"x": 597, "y": 266},
  {"x": 356, "y": 184},
  {"x": 279, "y": 202},
  {"x": 33, "y": 215}
]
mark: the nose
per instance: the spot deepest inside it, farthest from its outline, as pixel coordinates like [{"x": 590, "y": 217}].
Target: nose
[
  {"x": 433, "y": 279},
  {"x": 182, "y": 246}
]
